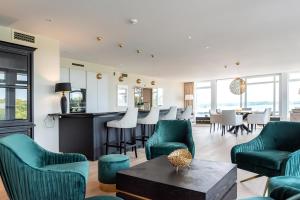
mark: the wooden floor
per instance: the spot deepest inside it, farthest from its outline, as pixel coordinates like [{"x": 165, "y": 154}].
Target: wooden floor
[{"x": 208, "y": 147}]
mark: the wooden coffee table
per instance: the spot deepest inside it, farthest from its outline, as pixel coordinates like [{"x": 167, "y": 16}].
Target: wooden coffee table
[{"x": 158, "y": 180}]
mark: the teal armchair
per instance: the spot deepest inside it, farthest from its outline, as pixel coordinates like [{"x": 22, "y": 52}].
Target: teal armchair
[
  {"x": 274, "y": 152},
  {"x": 281, "y": 193},
  {"x": 168, "y": 136},
  {"x": 29, "y": 172}
]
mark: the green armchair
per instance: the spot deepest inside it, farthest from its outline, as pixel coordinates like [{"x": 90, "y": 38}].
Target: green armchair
[
  {"x": 168, "y": 136},
  {"x": 29, "y": 172},
  {"x": 274, "y": 152},
  {"x": 281, "y": 193}
]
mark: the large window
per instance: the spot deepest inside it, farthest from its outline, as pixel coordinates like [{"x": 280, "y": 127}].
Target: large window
[
  {"x": 225, "y": 99},
  {"x": 203, "y": 97},
  {"x": 263, "y": 92},
  {"x": 294, "y": 86}
]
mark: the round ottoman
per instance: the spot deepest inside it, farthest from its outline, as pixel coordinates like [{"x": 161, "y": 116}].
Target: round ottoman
[{"x": 108, "y": 166}]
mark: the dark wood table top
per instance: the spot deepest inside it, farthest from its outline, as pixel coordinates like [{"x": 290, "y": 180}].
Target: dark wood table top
[{"x": 201, "y": 176}]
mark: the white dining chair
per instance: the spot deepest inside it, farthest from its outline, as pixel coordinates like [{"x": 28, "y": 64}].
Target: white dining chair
[
  {"x": 215, "y": 118},
  {"x": 259, "y": 118},
  {"x": 230, "y": 118}
]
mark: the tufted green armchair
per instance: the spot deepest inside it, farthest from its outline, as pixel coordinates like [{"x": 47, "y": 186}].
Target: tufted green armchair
[
  {"x": 275, "y": 152},
  {"x": 29, "y": 172},
  {"x": 168, "y": 136}
]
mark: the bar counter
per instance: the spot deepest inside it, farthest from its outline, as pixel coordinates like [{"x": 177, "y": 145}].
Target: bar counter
[{"x": 85, "y": 133}]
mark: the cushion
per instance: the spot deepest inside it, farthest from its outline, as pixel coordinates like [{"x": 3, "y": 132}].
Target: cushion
[
  {"x": 79, "y": 167},
  {"x": 166, "y": 148},
  {"x": 291, "y": 181},
  {"x": 113, "y": 158},
  {"x": 104, "y": 198},
  {"x": 272, "y": 159}
]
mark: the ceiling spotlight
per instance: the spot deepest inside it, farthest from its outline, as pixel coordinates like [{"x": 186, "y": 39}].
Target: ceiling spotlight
[
  {"x": 225, "y": 66},
  {"x": 134, "y": 21},
  {"x": 207, "y": 47},
  {"x": 152, "y": 55},
  {"x": 121, "y": 45},
  {"x": 189, "y": 37},
  {"x": 99, "y": 38},
  {"x": 139, "y": 51},
  {"x": 237, "y": 63}
]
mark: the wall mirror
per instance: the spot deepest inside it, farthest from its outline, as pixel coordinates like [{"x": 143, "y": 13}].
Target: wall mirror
[{"x": 145, "y": 98}]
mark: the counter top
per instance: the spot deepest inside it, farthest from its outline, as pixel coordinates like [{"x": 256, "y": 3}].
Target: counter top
[{"x": 67, "y": 115}]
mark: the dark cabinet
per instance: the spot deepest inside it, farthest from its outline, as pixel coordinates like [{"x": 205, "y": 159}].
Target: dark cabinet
[{"x": 16, "y": 91}]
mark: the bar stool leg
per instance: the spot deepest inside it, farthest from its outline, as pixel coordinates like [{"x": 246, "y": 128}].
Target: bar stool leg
[
  {"x": 124, "y": 141},
  {"x": 107, "y": 139},
  {"x": 121, "y": 139},
  {"x": 143, "y": 135},
  {"x": 134, "y": 141}
]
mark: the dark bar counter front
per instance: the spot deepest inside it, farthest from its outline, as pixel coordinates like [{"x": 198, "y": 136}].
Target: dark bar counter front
[{"x": 85, "y": 133}]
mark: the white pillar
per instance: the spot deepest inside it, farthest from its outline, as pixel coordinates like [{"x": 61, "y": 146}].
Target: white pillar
[{"x": 284, "y": 96}]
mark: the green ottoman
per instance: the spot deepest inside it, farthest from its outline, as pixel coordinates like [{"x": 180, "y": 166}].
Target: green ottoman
[
  {"x": 104, "y": 198},
  {"x": 108, "y": 166}
]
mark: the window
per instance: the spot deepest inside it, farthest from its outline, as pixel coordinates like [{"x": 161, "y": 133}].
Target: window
[
  {"x": 294, "y": 86},
  {"x": 122, "y": 95},
  {"x": 263, "y": 92},
  {"x": 225, "y": 99},
  {"x": 203, "y": 97}
]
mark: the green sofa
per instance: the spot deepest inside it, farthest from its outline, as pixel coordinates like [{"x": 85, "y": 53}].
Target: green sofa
[
  {"x": 274, "y": 152},
  {"x": 168, "y": 136},
  {"x": 29, "y": 172}
]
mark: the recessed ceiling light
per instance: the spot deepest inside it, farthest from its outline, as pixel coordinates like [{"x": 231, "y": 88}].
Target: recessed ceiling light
[
  {"x": 152, "y": 55},
  {"x": 139, "y": 51},
  {"x": 134, "y": 21},
  {"x": 207, "y": 47},
  {"x": 99, "y": 38},
  {"x": 121, "y": 45},
  {"x": 189, "y": 37},
  {"x": 48, "y": 20}
]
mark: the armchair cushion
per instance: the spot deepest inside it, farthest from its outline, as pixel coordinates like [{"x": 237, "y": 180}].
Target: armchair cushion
[
  {"x": 280, "y": 181},
  {"x": 79, "y": 167},
  {"x": 166, "y": 148},
  {"x": 272, "y": 159}
]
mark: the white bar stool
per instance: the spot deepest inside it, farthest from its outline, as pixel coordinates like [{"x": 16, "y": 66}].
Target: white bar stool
[
  {"x": 128, "y": 121},
  {"x": 171, "y": 115},
  {"x": 149, "y": 121}
]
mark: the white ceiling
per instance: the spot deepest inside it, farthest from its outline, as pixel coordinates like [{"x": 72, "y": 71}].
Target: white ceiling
[{"x": 264, "y": 35}]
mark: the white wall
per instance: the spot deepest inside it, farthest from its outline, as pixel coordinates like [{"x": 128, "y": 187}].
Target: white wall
[
  {"x": 46, "y": 74},
  {"x": 173, "y": 90}
]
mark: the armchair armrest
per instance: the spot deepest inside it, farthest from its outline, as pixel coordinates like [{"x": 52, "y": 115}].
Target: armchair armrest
[
  {"x": 292, "y": 164},
  {"x": 61, "y": 158},
  {"x": 190, "y": 141},
  {"x": 254, "y": 145},
  {"x": 154, "y": 139},
  {"x": 63, "y": 185}
]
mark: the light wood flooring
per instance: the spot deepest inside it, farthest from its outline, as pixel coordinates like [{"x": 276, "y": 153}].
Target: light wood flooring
[{"x": 209, "y": 146}]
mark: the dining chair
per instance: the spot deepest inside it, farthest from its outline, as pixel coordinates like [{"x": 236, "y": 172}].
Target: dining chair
[
  {"x": 259, "y": 118},
  {"x": 230, "y": 118}
]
